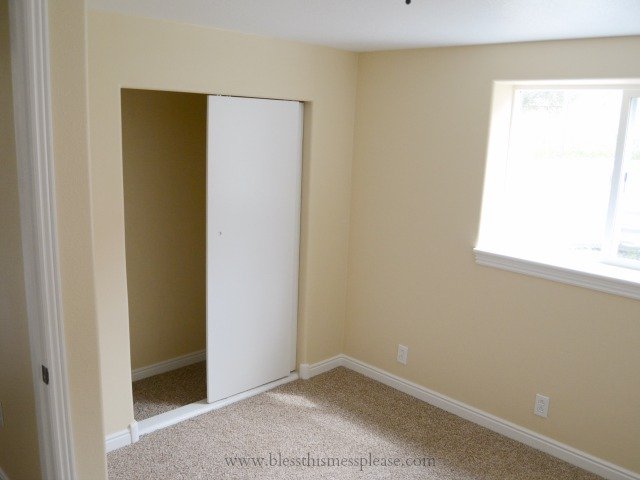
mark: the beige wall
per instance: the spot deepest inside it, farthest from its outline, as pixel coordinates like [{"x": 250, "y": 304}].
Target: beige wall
[
  {"x": 140, "y": 53},
  {"x": 67, "y": 39},
  {"x": 19, "y": 456},
  {"x": 486, "y": 337},
  {"x": 483, "y": 336},
  {"x": 164, "y": 139}
]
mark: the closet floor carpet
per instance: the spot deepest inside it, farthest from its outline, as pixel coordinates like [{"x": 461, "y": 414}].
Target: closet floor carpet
[
  {"x": 342, "y": 424},
  {"x": 168, "y": 391}
]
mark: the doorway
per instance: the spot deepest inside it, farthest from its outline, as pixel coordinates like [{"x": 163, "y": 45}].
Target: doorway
[
  {"x": 212, "y": 209},
  {"x": 164, "y": 174}
]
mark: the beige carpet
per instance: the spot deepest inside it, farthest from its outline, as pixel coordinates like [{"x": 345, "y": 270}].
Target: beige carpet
[
  {"x": 341, "y": 415},
  {"x": 168, "y": 391}
]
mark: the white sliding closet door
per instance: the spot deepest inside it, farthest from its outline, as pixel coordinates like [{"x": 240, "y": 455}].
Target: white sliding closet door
[{"x": 254, "y": 152}]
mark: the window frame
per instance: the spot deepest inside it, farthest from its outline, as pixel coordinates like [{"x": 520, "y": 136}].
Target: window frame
[
  {"x": 610, "y": 240},
  {"x": 607, "y": 272}
]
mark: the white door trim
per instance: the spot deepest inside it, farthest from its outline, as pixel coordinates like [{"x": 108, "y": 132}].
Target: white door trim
[{"x": 33, "y": 127}]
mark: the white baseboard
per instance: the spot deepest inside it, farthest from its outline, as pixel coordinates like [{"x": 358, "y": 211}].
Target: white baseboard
[
  {"x": 168, "y": 365},
  {"x": 134, "y": 431},
  {"x": 122, "y": 438},
  {"x": 307, "y": 371},
  {"x": 3, "y": 475},
  {"x": 523, "y": 435}
]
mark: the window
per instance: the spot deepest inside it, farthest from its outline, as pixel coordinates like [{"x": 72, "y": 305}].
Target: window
[{"x": 562, "y": 186}]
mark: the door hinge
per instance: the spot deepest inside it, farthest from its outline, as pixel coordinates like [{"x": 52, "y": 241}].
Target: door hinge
[{"x": 45, "y": 375}]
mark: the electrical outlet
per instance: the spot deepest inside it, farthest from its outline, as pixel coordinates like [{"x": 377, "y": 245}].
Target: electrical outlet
[
  {"x": 1, "y": 416},
  {"x": 541, "y": 407},
  {"x": 403, "y": 354}
]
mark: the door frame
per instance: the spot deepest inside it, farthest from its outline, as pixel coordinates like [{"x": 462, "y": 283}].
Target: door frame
[
  {"x": 172, "y": 417},
  {"x": 29, "y": 33}
]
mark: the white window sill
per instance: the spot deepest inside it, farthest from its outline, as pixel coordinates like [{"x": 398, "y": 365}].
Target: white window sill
[{"x": 596, "y": 276}]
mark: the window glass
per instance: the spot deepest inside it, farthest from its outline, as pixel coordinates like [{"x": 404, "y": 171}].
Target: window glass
[
  {"x": 628, "y": 231},
  {"x": 562, "y": 148}
]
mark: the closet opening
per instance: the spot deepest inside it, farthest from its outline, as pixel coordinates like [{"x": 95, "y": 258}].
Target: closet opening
[
  {"x": 212, "y": 199},
  {"x": 164, "y": 141}
]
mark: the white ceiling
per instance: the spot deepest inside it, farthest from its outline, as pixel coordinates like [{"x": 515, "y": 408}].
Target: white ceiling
[{"x": 363, "y": 25}]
